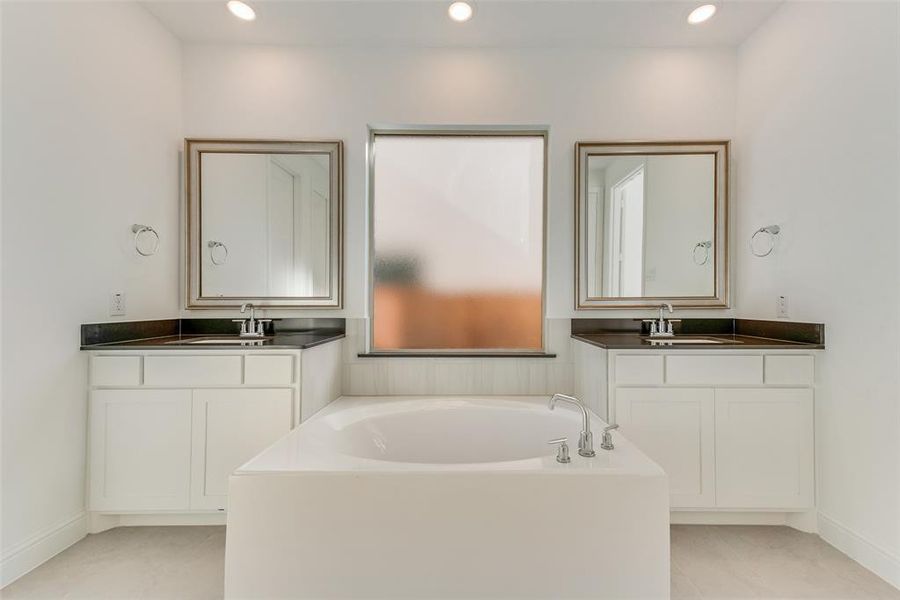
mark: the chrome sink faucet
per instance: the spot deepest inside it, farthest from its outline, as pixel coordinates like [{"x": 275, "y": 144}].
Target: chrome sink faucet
[
  {"x": 252, "y": 328},
  {"x": 586, "y": 439},
  {"x": 662, "y": 328}
]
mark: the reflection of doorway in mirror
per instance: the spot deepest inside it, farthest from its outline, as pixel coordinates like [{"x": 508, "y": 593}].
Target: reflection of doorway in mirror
[
  {"x": 298, "y": 217},
  {"x": 626, "y": 260},
  {"x": 595, "y": 219},
  {"x": 280, "y": 208}
]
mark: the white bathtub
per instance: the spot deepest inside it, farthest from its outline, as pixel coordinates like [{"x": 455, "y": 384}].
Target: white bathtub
[{"x": 451, "y": 497}]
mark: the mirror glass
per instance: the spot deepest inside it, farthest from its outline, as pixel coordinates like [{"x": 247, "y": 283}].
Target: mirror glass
[
  {"x": 651, "y": 226},
  {"x": 266, "y": 226}
]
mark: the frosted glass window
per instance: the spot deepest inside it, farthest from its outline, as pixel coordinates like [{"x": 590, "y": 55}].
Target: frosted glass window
[{"x": 458, "y": 233}]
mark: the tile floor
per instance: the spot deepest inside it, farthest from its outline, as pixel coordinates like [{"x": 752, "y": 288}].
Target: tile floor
[
  {"x": 720, "y": 562},
  {"x": 741, "y": 562}
]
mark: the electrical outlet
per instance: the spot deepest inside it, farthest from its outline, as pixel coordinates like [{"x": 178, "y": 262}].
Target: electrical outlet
[
  {"x": 781, "y": 307},
  {"x": 117, "y": 304}
]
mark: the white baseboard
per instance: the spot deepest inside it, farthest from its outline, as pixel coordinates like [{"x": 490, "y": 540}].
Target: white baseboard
[
  {"x": 799, "y": 521},
  {"x": 41, "y": 547},
  {"x": 878, "y": 560},
  {"x": 99, "y": 522}
]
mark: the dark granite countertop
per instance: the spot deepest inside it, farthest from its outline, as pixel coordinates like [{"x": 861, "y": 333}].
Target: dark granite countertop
[
  {"x": 218, "y": 334},
  {"x": 281, "y": 341},
  {"x": 722, "y": 334},
  {"x": 631, "y": 341}
]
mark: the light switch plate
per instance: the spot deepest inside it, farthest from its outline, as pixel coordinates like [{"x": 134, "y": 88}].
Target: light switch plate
[
  {"x": 781, "y": 307},
  {"x": 117, "y": 304}
]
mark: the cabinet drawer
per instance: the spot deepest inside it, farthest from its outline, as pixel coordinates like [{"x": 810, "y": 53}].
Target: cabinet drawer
[
  {"x": 790, "y": 370},
  {"x": 639, "y": 369},
  {"x": 269, "y": 369},
  {"x": 116, "y": 370},
  {"x": 192, "y": 370},
  {"x": 714, "y": 370}
]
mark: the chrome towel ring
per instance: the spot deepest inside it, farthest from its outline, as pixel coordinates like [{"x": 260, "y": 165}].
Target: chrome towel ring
[
  {"x": 702, "y": 258},
  {"x": 212, "y": 245},
  {"x": 139, "y": 230},
  {"x": 770, "y": 231}
]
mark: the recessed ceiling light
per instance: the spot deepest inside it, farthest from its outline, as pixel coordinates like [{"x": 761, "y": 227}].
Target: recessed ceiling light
[
  {"x": 241, "y": 10},
  {"x": 460, "y": 11},
  {"x": 701, "y": 14}
]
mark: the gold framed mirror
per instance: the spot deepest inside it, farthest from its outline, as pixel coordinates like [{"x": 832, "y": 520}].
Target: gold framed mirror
[
  {"x": 651, "y": 224},
  {"x": 263, "y": 223}
]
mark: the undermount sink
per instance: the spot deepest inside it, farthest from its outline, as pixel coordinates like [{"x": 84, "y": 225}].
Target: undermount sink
[
  {"x": 686, "y": 340},
  {"x": 247, "y": 341}
]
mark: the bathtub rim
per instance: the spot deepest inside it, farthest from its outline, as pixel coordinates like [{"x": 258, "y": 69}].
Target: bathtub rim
[{"x": 626, "y": 459}]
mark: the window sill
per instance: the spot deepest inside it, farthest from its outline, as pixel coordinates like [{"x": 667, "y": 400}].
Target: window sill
[{"x": 389, "y": 354}]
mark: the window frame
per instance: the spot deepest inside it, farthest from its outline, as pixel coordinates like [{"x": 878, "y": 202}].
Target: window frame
[{"x": 537, "y": 131}]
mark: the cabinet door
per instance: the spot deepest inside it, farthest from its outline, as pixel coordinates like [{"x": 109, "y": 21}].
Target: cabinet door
[
  {"x": 764, "y": 448},
  {"x": 674, "y": 427},
  {"x": 140, "y": 450},
  {"x": 231, "y": 426}
]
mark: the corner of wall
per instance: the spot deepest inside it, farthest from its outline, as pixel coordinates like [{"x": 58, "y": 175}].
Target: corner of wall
[
  {"x": 865, "y": 552},
  {"x": 41, "y": 547}
]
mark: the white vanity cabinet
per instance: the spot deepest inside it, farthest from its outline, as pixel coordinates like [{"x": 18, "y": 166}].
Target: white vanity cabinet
[
  {"x": 168, "y": 427},
  {"x": 732, "y": 429}
]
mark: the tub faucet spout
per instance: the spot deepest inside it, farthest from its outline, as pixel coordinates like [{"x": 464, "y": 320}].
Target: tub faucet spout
[{"x": 586, "y": 439}]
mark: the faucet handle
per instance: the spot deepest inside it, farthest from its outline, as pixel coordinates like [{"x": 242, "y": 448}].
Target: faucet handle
[
  {"x": 562, "y": 454},
  {"x": 606, "y": 443},
  {"x": 243, "y": 323}
]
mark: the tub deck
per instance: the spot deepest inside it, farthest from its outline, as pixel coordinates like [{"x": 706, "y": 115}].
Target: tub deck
[{"x": 317, "y": 516}]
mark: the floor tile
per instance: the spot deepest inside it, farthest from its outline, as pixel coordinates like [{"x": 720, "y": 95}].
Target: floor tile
[{"x": 708, "y": 563}]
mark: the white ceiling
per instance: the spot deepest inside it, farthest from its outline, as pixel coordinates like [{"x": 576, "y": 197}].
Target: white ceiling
[{"x": 398, "y": 23}]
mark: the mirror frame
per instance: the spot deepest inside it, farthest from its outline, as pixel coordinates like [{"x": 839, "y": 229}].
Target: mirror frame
[
  {"x": 720, "y": 149},
  {"x": 193, "y": 148}
]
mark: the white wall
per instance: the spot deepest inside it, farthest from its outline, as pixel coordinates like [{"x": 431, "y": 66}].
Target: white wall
[
  {"x": 91, "y": 114},
  {"x": 582, "y": 94},
  {"x": 817, "y": 153}
]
